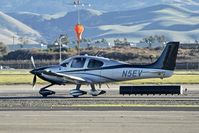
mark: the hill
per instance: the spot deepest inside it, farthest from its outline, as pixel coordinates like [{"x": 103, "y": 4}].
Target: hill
[
  {"x": 176, "y": 23},
  {"x": 10, "y": 27}
]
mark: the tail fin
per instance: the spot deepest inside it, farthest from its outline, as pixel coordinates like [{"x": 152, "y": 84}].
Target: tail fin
[{"x": 167, "y": 60}]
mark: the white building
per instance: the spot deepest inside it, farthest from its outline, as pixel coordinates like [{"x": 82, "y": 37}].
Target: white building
[
  {"x": 13, "y": 47},
  {"x": 92, "y": 44}
]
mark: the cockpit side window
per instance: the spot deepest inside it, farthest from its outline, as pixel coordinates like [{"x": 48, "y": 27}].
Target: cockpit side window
[
  {"x": 78, "y": 63},
  {"x": 95, "y": 63}
]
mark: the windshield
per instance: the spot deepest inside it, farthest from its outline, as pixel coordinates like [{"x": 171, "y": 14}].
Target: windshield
[{"x": 65, "y": 62}]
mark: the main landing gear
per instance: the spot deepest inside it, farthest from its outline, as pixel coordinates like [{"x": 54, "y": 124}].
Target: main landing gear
[
  {"x": 77, "y": 92},
  {"x": 95, "y": 92}
]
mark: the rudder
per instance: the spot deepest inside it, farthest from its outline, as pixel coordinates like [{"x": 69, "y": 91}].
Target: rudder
[{"x": 167, "y": 59}]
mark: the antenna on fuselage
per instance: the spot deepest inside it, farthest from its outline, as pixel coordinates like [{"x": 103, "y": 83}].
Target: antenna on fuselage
[{"x": 98, "y": 52}]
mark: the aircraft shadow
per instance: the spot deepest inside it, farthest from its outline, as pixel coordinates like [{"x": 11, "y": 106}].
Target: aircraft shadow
[
  {"x": 84, "y": 97},
  {"x": 49, "y": 97},
  {"x": 54, "y": 97}
]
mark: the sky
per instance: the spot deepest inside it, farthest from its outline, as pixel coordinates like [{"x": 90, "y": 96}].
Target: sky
[{"x": 54, "y": 6}]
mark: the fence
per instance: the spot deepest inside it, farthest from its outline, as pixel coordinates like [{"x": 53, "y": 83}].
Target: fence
[
  {"x": 187, "y": 66},
  {"x": 26, "y": 64}
]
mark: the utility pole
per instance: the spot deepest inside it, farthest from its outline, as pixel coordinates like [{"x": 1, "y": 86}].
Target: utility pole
[
  {"x": 78, "y": 21},
  {"x": 60, "y": 48},
  {"x": 79, "y": 28},
  {"x": 78, "y": 47}
]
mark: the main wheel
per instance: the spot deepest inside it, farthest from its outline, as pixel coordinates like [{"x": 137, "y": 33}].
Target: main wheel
[
  {"x": 75, "y": 96},
  {"x": 44, "y": 96}
]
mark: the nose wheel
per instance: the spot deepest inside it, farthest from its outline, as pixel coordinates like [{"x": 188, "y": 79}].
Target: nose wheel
[{"x": 45, "y": 92}]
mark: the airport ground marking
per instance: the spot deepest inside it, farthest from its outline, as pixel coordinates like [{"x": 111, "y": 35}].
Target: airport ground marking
[{"x": 126, "y": 105}]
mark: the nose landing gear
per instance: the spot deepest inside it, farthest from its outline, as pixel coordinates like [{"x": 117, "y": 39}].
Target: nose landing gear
[{"x": 45, "y": 92}]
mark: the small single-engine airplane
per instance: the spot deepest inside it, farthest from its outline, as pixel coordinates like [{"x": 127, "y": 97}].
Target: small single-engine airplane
[{"x": 93, "y": 70}]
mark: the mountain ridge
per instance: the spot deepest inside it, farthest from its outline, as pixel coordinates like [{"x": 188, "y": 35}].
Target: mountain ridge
[
  {"x": 161, "y": 19},
  {"x": 11, "y": 28}
]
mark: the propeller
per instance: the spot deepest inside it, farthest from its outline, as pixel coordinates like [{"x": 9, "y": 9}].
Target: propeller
[
  {"x": 34, "y": 81},
  {"x": 35, "y": 76},
  {"x": 33, "y": 62}
]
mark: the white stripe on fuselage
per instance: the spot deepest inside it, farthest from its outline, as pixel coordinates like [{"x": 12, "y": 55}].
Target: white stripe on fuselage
[
  {"x": 111, "y": 75},
  {"x": 120, "y": 74}
]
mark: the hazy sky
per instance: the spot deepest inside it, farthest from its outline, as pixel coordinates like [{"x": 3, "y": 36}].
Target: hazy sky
[{"x": 54, "y": 6}]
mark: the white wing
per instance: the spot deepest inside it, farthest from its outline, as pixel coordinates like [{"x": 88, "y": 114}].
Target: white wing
[{"x": 69, "y": 78}]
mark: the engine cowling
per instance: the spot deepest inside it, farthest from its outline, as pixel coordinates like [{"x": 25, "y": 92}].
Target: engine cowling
[{"x": 77, "y": 93}]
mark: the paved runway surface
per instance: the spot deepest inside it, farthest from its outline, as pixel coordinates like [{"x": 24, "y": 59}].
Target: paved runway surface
[
  {"x": 99, "y": 122},
  {"x": 22, "y": 97},
  {"x": 23, "y": 110}
]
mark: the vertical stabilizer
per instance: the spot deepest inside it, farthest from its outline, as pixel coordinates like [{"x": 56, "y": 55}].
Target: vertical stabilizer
[{"x": 167, "y": 59}]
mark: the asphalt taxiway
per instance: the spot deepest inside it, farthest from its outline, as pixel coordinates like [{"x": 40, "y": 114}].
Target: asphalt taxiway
[
  {"x": 99, "y": 122},
  {"x": 23, "y": 97},
  {"x": 23, "y": 110}
]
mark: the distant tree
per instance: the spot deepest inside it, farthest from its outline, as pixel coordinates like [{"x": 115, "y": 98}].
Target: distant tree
[
  {"x": 73, "y": 42},
  {"x": 196, "y": 41},
  {"x": 149, "y": 40},
  {"x": 3, "y": 49},
  {"x": 89, "y": 40},
  {"x": 161, "y": 39},
  {"x": 104, "y": 40},
  {"x": 118, "y": 42},
  {"x": 125, "y": 42},
  {"x": 97, "y": 41},
  {"x": 145, "y": 40},
  {"x": 156, "y": 38},
  {"x": 86, "y": 40}
]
